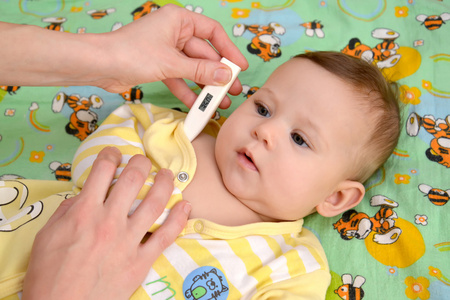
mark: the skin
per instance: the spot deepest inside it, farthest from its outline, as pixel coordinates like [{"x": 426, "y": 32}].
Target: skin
[
  {"x": 292, "y": 141},
  {"x": 110, "y": 263},
  {"x": 108, "y": 60}
]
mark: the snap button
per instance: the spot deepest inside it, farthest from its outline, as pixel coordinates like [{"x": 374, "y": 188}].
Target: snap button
[
  {"x": 182, "y": 176},
  {"x": 198, "y": 226}
]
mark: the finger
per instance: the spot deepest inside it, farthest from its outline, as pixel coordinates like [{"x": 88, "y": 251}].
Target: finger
[
  {"x": 102, "y": 174},
  {"x": 128, "y": 185},
  {"x": 164, "y": 236},
  {"x": 203, "y": 71},
  {"x": 183, "y": 92},
  {"x": 200, "y": 48},
  {"x": 207, "y": 28},
  {"x": 179, "y": 88},
  {"x": 154, "y": 203},
  {"x": 61, "y": 210}
]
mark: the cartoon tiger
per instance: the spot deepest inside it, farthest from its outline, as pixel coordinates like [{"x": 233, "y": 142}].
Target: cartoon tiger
[
  {"x": 83, "y": 121},
  {"x": 265, "y": 44}
]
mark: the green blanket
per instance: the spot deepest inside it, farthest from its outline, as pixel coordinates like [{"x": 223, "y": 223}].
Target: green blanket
[{"x": 407, "y": 253}]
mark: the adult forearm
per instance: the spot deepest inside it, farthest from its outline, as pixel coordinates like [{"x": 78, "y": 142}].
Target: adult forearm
[{"x": 35, "y": 56}]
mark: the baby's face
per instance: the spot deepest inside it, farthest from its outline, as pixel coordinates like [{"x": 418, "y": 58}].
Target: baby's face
[{"x": 289, "y": 146}]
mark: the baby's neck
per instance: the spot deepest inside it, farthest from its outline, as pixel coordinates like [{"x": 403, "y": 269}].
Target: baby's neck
[{"x": 208, "y": 195}]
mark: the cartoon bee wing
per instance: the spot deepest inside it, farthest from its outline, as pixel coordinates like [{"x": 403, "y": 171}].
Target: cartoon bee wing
[
  {"x": 245, "y": 89},
  {"x": 197, "y": 9},
  {"x": 54, "y": 165},
  {"x": 58, "y": 102},
  {"x": 445, "y": 16},
  {"x": 110, "y": 10},
  {"x": 421, "y": 17},
  {"x": 96, "y": 101},
  {"x": 54, "y": 20},
  {"x": 425, "y": 188},
  {"x": 319, "y": 32},
  {"x": 347, "y": 279},
  {"x": 359, "y": 281},
  {"x": 116, "y": 26},
  {"x": 309, "y": 32}
]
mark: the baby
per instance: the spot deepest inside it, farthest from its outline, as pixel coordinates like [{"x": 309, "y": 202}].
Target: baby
[{"x": 304, "y": 142}]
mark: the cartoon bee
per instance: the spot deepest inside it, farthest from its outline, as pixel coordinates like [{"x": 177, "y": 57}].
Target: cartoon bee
[
  {"x": 10, "y": 89},
  {"x": 248, "y": 91},
  {"x": 351, "y": 290},
  {"x": 98, "y": 14},
  {"x": 314, "y": 27},
  {"x": 433, "y": 22},
  {"x": 62, "y": 171},
  {"x": 144, "y": 9},
  {"x": 55, "y": 23},
  {"x": 436, "y": 196},
  {"x": 133, "y": 95}
]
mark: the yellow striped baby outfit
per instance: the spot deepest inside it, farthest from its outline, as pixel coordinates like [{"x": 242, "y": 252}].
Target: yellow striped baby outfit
[{"x": 207, "y": 261}]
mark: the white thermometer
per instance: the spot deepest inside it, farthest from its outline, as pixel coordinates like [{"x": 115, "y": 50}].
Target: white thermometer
[{"x": 207, "y": 102}]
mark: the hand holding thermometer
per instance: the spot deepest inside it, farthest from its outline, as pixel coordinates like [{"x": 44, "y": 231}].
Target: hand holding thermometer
[{"x": 207, "y": 102}]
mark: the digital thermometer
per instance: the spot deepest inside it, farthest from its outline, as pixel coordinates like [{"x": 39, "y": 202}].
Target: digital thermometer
[{"x": 207, "y": 102}]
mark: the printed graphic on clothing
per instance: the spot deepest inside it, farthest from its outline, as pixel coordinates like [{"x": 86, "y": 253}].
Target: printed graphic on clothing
[{"x": 205, "y": 283}]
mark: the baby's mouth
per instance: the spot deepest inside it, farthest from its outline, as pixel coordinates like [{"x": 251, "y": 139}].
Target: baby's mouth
[{"x": 247, "y": 160}]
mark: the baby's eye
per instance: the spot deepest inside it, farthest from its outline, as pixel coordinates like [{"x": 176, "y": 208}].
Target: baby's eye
[
  {"x": 262, "y": 110},
  {"x": 297, "y": 138}
]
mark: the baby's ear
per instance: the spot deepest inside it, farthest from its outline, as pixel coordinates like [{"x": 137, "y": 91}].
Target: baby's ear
[{"x": 348, "y": 194}]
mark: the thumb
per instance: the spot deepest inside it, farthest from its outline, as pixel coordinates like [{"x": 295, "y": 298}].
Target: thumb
[{"x": 205, "y": 71}]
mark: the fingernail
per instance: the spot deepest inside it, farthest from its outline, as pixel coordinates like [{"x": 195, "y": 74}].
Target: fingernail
[
  {"x": 115, "y": 150},
  {"x": 187, "y": 208},
  {"x": 222, "y": 75}
]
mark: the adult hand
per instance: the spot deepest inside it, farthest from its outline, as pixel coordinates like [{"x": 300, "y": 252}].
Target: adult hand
[
  {"x": 90, "y": 248},
  {"x": 170, "y": 44}
]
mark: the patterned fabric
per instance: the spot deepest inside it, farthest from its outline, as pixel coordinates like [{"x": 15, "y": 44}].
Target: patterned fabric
[{"x": 395, "y": 244}]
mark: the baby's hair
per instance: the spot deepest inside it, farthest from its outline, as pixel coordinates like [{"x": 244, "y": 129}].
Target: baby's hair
[{"x": 381, "y": 102}]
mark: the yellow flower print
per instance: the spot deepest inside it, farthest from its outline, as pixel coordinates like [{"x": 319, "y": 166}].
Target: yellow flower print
[
  {"x": 256, "y": 5},
  {"x": 240, "y": 13},
  {"x": 417, "y": 288},
  {"x": 402, "y": 178},
  {"x": 401, "y": 12},
  {"x": 37, "y": 156},
  {"x": 426, "y": 84},
  {"x": 435, "y": 272},
  {"x": 410, "y": 95}
]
